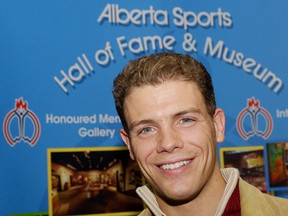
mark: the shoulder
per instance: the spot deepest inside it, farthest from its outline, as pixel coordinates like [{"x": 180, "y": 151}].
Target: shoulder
[
  {"x": 254, "y": 201},
  {"x": 145, "y": 212}
]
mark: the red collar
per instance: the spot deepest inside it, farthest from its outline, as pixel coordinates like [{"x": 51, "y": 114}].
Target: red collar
[{"x": 233, "y": 207}]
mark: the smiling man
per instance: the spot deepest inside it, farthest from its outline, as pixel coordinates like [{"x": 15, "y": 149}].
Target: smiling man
[{"x": 171, "y": 127}]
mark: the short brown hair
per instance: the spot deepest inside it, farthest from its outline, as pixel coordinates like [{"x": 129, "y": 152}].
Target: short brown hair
[{"x": 158, "y": 68}]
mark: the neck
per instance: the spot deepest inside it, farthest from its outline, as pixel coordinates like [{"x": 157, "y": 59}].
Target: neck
[{"x": 205, "y": 203}]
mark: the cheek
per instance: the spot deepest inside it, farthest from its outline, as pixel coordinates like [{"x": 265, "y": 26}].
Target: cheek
[
  {"x": 202, "y": 138},
  {"x": 144, "y": 154},
  {"x": 202, "y": 143},
  {"x": 143, "y": 150}
]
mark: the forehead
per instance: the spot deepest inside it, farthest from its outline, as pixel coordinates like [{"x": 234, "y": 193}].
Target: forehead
[{"x": 162, "y": 100}]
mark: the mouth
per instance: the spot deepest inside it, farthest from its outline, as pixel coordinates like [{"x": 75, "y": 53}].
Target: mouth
[{"x": 175, "y": 165}]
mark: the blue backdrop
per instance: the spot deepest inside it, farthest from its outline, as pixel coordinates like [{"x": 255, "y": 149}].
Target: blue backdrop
[{"x": 59, "y": 58}]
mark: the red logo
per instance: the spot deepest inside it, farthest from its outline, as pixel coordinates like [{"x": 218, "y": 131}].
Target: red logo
[
  {"x": 248, "y": 121},
  {"x": 21, "y": 124}
]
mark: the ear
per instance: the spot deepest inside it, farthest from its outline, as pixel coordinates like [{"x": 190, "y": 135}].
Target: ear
[
  {"x": 126, "y": 140},
  {"x": 219, "y": 124}
]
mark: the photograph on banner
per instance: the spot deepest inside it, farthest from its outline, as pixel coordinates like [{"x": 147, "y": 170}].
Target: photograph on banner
[
  {"x": 93, "y": 181},
  {"x": 277, "y": 166},
  {"x": 249, "y": 160}
]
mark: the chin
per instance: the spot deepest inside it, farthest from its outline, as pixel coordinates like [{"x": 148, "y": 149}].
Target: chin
[
  {"x": 180, "y": 200},
  {"x": 179, "y": 197}
]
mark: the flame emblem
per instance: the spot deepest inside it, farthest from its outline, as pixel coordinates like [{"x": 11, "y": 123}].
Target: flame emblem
[
  {"x": 21, "y": 116},
  {"x": 248, "y": 121}
]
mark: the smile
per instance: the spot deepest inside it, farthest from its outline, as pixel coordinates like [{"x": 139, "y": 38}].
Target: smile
[{"x": 175, "y": 165}]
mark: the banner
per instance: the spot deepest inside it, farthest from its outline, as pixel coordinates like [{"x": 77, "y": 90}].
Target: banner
[{"x": 58, "y": 61}]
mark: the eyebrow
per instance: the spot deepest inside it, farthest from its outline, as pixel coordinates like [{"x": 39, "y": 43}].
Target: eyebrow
[
  {"x": 192, "y": 110},
  {"x": 149, "y": 121},
  {"x": 141, "y": 122}
]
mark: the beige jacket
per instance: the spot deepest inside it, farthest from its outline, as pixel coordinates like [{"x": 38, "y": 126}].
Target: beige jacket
[{"x": 253, "y": 202}]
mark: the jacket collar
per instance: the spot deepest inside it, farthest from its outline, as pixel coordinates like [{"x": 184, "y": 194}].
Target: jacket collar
[{"x": 230, "y": 175}]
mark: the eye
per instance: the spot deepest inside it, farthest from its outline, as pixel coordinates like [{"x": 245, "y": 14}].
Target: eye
[
  {"x": 187, "y": 120},
  {"x": 146, "y": 130}
]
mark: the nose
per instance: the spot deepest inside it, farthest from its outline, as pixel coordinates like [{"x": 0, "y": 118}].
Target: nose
[{"x": 169, "y": 140}]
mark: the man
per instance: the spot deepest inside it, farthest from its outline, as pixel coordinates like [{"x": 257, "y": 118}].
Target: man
[{"x": 171, "y": 127}]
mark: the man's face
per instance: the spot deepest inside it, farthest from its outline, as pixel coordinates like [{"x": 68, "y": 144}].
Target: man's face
[{"x": 173, "y": 138}]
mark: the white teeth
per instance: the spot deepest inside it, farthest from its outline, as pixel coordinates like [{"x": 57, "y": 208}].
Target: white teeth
[{"x": 175, "y": 165}]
